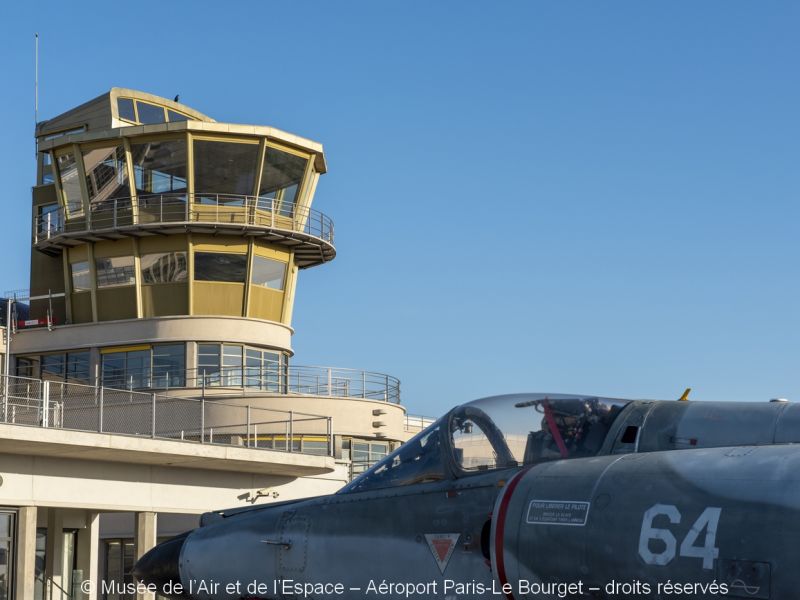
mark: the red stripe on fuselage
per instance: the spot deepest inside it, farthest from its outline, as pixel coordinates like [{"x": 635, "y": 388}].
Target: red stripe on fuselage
[{"x": 500, "y": 528}]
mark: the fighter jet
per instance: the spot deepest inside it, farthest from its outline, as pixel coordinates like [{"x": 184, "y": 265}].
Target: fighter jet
[{"x": 528, "y": 496}]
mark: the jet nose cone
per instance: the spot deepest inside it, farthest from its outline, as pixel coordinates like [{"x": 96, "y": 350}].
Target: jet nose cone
[{"x": 160, "y": 566}]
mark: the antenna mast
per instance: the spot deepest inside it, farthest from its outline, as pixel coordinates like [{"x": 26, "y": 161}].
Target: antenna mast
[
  {"x": 36, "y": 82},
  {"x": 36, "y": 96}
]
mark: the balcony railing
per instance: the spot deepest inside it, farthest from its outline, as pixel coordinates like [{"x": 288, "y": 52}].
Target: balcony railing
[
  {"x": 51, "y": 404},
  {"x": 270, "y": 378},
  {"x": 415, "y": 423},
  {"x": 130, "y": 215}
]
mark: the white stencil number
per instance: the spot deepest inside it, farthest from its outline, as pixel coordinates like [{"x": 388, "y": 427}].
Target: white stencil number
[{"x": 707, "y": 522}]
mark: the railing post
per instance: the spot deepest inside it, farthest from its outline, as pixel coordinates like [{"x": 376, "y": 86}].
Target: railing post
[
  {"x": 363, "y": 384},
  {"x": 153, "y": 420},
  {"x": 6, "y": 382},
  {"x": 248, "y": 426},
  {"x": 330, "y": 392},
  {"x": 45, "y": 403},
  {"x": 115, "y": 213},
  {"x": 203, "y": 419},
  {"x": 272, "y": 212},
  {"x": 48, "y": 225},
  {"x": 189, "y": 199},
  {"x": 290, "y": 437},
  {"x": 330, "y": 436},
  {"x": 255, "y": 436},
  {"x": 100, "y": 412},
  {"x": 386, "y": 393}
]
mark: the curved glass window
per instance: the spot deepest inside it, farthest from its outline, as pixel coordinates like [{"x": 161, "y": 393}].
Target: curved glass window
[
  {"x": 70, "y": 185},
  {"x": 223, "y": 171},
  {"x": 125, "y": 109},
  {"x": 149, "y": 114},
  {"x": 159, "y": 167},
  {"x": 106, "y": 173},
  {"x": 281, "y": 177},
  {"x": 176, "y": 116},
  {"x": 115, "y": 271},
  {"x": 164, "y": 267},
  {"x": 81, "y": 279},
  {"x": 268, "y": 273},
  {"x": 220, "y": 266}
]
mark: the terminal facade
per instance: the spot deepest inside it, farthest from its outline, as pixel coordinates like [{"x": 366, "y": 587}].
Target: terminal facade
[{"x": 150, "y": 371}]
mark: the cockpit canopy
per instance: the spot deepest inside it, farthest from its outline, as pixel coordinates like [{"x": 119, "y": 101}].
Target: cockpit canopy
[{"x": 497, "y": 433}]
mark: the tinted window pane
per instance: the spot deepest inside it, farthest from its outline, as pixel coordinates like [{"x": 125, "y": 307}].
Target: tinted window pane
[
  {"x": 49, "y": 218},
  {"x": 224, "y": 167},
  {"x": 114, "y": 369},
  {"x": 70, "y": 186},
  {"x": 168, "y": 365},
  {"x": 268, "y": 273},
  {"x": 53, "y": 364},
  {"x": 164, "y": 267},
  {"x": 149, "y": 113},
  {"x": 78, "y": 366},
  {"x": 115, "y": 271},
  {"x": 280, "y": 179},
  {"x": 160, "y": 167},
  {"x": 214, "y": 266},
  {"x": 208, "y": 363},
  {"x": 80, "y": 276},
  {"x": 125, "y": 109},
  {"x": 176, "y": 116},
  {"x": 106, "y": 174}
]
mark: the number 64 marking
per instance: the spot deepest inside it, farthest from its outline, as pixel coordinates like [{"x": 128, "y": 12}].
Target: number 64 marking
[{"x": 708, "y": 520}]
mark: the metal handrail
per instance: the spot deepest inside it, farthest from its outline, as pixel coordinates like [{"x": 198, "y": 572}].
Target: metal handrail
[
  {"x": 185, "y": 208},
  {"x": 272, "y": 378},
  {"x": 101, "y": 409}
]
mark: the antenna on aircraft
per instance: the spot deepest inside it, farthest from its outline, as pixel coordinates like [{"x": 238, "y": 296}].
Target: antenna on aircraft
[{"x": 685, "y": 396}]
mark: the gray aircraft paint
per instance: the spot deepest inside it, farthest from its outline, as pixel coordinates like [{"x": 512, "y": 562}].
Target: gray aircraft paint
[{"x": 688, "y": 492}]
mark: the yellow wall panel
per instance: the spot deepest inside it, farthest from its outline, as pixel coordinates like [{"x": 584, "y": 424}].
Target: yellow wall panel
[
  {"x": 81, "y": 307},
  {"x": 116, "y": 303},
  {"x": 266, "y": 303},
  {"x": 268, "y": 251},
  {"x": 165, "y": 299},
  {"x": 158, "y": 243},
  {"x": 210, "y": 243},
  {"x": 110, "y": 249},
  {"x": 78, "y": 253},
  {"x": 216, "y": 298}
]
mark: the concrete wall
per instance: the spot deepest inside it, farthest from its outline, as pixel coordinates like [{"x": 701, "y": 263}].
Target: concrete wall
[
  {"x": 160, "y": 329},
  {"x": 114, "y": 486}
]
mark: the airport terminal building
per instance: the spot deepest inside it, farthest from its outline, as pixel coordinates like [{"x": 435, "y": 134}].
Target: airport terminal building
[{"x": 148, "y": 371}]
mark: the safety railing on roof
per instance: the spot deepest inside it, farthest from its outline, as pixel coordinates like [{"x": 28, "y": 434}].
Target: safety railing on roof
[{"x": 52, "y": 404}]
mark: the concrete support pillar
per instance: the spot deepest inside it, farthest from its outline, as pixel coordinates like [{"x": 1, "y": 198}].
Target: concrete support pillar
[
  {"x": 54, "y": 553},
  {"x": 88, "y": 554},
  {"x": 145, "y": 539},
  {"x": 25, "y": 571}
]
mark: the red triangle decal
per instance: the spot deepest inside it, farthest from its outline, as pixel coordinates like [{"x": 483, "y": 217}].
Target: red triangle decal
[{"x": 442, "y": 547}]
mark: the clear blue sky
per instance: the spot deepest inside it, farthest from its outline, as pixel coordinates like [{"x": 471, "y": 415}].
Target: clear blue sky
[{"x": 596, "y": 197}]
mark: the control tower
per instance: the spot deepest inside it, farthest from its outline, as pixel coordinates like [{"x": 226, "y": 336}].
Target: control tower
[{"x": 166, "y": 249}]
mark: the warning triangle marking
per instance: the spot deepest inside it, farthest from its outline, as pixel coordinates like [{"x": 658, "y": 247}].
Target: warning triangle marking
[{"x": 442, "y": 546}]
